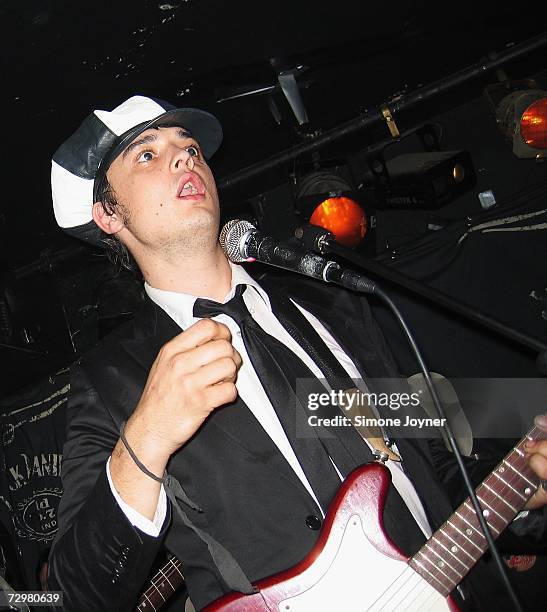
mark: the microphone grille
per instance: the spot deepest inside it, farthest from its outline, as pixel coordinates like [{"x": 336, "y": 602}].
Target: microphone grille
[{"x": 230, "y": 239}]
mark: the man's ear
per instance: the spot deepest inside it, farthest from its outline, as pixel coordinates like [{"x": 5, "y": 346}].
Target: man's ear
[{"x": 109, "y": 223}]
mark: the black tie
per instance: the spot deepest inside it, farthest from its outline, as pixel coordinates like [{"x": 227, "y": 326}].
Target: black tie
[{"x": 278, "y": 369}]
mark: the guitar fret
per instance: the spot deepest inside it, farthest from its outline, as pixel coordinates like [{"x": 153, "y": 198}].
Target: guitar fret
[
  {"x": 488, "y": 507},
  {"x": 424, "y": 569},
  {"x": 465, "y": 536},
  {"x": 439, "y": 570},
  {"x": 443, "y": 560},
  {"x": 435, "y": 540},
  {"x": 492, "y": 527},
  {"x": 166, "y": 578},
  {"x": 517, "y": 450},
  {"x": 144, "y": 605},
  {"x": 471, "y": 524},
  {"x": 459, "y": 545},
  {"x": 520, "y": 463},
  {"x": 500, "y": 498},
  {"x": 158, "y": 591},
  {"x": 512, "y": 488},
  {"x": 519, "y": 473},
  {"x": 176, "y": 565}
]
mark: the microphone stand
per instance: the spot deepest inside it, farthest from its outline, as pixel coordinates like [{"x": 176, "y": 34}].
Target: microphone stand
[{"x": 319, "y": 240}]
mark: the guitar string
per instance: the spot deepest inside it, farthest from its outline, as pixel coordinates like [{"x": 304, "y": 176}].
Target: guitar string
[
  {"x": 399, "y": 590},
  {"x": 431, "y": 594},
  {"x": 404, "y": 603},
  {"x": 411, "y": 574},
  {"x": 434, "y": 601},
  {"x": 422, "y": 604}
]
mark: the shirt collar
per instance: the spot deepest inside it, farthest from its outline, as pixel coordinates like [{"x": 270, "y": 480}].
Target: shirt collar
[{"x": 180, "y": 306}]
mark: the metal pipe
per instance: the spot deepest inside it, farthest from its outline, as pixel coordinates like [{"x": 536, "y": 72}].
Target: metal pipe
[{"x": 372, "y": 117}]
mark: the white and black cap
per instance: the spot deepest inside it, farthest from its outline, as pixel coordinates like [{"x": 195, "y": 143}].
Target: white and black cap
[{"x": 80, "y": 164}]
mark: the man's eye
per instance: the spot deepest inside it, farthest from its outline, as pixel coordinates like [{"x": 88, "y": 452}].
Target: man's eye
[
  {"x": 145, "y": 156},
  {"x": 193, "y": 150}
]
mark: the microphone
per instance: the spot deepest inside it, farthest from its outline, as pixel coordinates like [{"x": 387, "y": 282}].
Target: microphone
[{"x": 242, "y": 242}]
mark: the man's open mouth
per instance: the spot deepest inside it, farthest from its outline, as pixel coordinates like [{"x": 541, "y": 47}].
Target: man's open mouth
[{"x": 190, "y": 185}]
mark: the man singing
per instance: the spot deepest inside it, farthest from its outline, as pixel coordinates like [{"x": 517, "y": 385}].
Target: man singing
[{"x": 204, "y": 380}]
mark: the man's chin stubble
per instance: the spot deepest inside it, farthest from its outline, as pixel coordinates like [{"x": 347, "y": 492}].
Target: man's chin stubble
[{"x": 197, "y": 237}]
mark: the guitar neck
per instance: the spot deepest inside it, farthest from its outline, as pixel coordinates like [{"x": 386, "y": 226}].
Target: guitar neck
[
  {"x": 165, "y": 582},
  {"x": 454, "y": 549}
]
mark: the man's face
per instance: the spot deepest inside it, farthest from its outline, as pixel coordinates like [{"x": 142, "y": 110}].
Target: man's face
[{"x": 168, "y": 193}]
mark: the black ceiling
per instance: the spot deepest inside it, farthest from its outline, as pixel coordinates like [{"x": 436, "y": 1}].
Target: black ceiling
[{"x": 61, "y": 59}]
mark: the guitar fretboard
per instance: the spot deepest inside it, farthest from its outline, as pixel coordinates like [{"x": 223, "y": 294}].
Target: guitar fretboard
[
  {"x": 162, "y": 586},
  {"x": 455, "y": 548}
]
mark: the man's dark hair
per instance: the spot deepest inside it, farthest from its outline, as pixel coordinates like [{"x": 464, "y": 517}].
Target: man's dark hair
[{"x": 116, "y": 251}]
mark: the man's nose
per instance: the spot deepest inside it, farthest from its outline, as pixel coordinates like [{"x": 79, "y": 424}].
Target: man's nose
[{"x": 181, "y": 158}]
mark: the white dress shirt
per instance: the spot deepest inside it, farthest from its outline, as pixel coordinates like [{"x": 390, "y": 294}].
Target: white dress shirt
[{"x": 180, "y": 306}]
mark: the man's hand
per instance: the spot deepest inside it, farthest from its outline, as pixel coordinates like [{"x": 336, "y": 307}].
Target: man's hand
[
  {"x": 536, "y": 455},
  {"x": 193, "y": 374}
]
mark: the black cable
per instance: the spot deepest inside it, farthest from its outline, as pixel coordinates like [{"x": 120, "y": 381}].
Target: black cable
[{"x": 440, "y": 411}]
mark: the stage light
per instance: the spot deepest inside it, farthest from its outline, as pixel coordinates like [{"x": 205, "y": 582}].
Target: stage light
[
  {"x": 422, "y": 180},
  {"x": 343, "y": 217},
  {"x": 522, "y": 117},
  {"x": 533, "y": 124},
  {"x": 326, "y": 197},
  {"x": 521, "y": 114}
]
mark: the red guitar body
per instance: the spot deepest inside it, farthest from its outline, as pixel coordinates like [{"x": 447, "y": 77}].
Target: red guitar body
[{"x": 353, "y": 566}]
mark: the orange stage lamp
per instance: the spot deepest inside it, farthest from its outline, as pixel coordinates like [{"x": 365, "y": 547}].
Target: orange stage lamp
[
  {"x": 533, "y": 124},
  {"x": 344, "y": 218}
]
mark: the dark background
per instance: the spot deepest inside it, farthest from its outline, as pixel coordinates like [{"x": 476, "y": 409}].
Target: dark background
[{"x": 63, "y": 59}]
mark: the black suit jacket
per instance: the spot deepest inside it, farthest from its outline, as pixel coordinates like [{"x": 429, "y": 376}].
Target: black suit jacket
[{"x": 252, "y": 501}]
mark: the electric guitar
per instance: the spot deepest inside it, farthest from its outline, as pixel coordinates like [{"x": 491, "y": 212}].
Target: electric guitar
[{"x": 354, "y": 566}]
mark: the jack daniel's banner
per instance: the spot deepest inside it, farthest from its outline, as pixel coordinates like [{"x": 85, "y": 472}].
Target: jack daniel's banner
[{"x": 33, "y": 434}]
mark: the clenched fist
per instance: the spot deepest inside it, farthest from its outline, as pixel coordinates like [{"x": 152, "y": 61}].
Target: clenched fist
[{"x": 193, "y": 374}]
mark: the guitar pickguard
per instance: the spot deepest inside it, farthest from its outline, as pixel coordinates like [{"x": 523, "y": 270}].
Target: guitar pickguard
[{"x": 358, "y": 578}]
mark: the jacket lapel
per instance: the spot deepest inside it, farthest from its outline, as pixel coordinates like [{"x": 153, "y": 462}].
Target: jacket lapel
[{"x": 344, "y": 317}]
